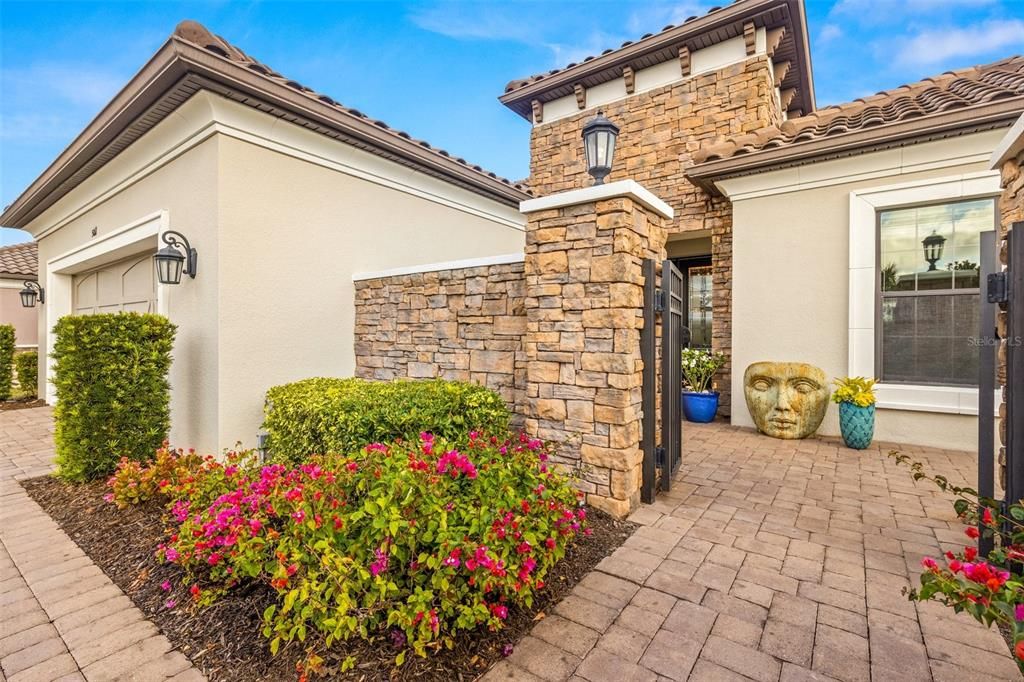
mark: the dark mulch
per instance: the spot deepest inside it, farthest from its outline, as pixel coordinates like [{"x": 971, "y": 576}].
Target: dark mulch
[
  {"x": 224, "y": 640},
  {"x": 20, "y": 404}
]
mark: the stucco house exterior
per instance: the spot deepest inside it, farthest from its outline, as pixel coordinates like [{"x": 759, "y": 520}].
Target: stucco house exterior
[
  {"x": 18, "y": 265},
  {"x": 283, "y": 192},
  {"x": 329, "y": 244}
]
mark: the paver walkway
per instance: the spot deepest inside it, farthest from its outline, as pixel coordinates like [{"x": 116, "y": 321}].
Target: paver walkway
[
  {"x": 61, "y": 618},
  {"x": 771, "y": 560}
]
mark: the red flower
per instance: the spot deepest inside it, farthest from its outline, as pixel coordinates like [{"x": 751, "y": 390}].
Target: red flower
[
  {"x": 986, "y": 517},
  {"x": 1018, "y": 650},
  {"x": 970, "y": 553},
  {"x": 972, "y": 532}
]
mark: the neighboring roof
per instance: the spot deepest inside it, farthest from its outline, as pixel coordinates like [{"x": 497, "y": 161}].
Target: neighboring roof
[
  {"x": 193, "y": 59},
  {"x": 20, "y": 260},
  {"x": 954, "y": 103},
  {"x": 719, "y": 24}
]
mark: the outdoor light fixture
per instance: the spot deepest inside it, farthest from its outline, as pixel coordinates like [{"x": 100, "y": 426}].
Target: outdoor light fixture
[
  {"x": 933, "y": 245},
  {"x": 599, "y": 136},
  {"x": 171, "y": 263},
  {"x": 29, "y": 294}
]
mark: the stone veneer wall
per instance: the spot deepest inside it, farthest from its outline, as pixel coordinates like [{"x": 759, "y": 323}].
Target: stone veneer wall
[
  {"x": 1011, "y": 208},
  {"x": 660, "y": 131},
  {"x": 584, "y": 311},
  {"x": 465, "y": 324}
]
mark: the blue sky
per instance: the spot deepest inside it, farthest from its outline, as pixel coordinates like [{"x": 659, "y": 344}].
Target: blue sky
[{"x": 434, "y": 69}]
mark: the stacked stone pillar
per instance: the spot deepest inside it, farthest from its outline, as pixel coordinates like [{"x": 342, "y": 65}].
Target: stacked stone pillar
[{"x": 584, "y": 312}]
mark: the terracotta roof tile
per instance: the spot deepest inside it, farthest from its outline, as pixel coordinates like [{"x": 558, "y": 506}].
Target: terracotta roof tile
[
  {"x": 200, "y": 36},
  {"x": 529, "y": 80},
  {"x": 971, "y": 87},
  {"x": 20, "y": 260}
]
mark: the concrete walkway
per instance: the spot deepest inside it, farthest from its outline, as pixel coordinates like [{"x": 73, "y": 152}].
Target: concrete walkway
[
  {"x": 772, "y": 560},
  {"x": 62, "y": 618}
]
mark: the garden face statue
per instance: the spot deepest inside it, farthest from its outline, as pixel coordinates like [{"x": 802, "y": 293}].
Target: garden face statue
[{"x": 786, "y": 399}]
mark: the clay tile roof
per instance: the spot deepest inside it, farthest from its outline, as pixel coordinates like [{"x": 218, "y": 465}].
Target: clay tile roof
[
  {"x": 20, "y": 260},
  {"x": 198, "y": 34},
  {"x": 952, "y": 91}
]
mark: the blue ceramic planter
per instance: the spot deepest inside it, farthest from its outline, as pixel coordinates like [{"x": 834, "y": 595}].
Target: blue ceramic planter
[
  {"x": 700, "y": 407},
  {"x": 857, "y": 425}
]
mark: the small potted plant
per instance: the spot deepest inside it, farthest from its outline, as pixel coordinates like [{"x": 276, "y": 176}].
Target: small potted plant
[
  {"x": 700, "y": 403},
  {"x": 856, "y": 399}
]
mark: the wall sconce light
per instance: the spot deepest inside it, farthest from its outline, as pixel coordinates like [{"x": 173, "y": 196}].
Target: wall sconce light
[
  {"x": 933, "y": 246},
  {"x": 599, "y": 135},
  {"x": 172, "y": 263},
  {"x": 29, "y": 294}
]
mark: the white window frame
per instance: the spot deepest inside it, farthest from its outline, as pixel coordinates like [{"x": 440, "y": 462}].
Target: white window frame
[{"x": 864, "y": 207}]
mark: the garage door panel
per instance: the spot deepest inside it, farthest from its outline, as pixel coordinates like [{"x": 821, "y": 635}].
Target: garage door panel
[{"x": 128, "y": 285}]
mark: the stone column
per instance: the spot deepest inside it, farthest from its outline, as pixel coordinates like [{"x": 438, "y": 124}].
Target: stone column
[{"x": 584, "y": 313}]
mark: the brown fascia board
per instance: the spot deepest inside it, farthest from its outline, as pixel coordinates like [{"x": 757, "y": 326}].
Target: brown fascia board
[
  {"x": 519, "y": 100},
  {"x": 937, "y": 126},
  {"x": 177, "y": 59}
]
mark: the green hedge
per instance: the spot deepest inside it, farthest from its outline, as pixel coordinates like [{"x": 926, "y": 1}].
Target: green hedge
[
  {"x": 26, "y": 365},
  {"x": 113, "y": 399},
  {"x": 339, "y": 416},
  {"x": 6, "y": 357}
]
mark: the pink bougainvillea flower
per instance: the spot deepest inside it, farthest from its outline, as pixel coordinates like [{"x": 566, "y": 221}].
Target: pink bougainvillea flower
[
  {"x": 170, "y": 604},
  {"x": 171, "y": 554},
  {"x": 166, "y": 586},
  {"x": 1018, "y": 612},
  {"x": 929, "y": 563},
  {"x": 507, "y": 650}
]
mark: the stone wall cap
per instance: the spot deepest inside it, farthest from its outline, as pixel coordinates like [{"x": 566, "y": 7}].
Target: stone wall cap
[
  {"x": 482, "y": 261},
  {"x": 621, "y": 188},
  {"x": 1009, "y": 147}
]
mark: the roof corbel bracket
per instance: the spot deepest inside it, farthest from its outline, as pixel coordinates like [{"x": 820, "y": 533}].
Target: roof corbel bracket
[
  {"x": 538, "y": 111},
  {"x": 684, "y": 60},
  {"x": 630, "y": 79},
  {"x": 786, "y": 98},
  {"x": 782, "y": 70},
  {"x": 581, "y": 96},
  {"x": 774, "y": 38},
  {"x": 750, "y": 37}
]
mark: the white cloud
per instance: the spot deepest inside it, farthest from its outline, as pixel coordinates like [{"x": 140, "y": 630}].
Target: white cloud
[
  {"x": 888, "y": 7},
  {"x": 935, "y": 45},
  {"x": 829, "y": 32}
]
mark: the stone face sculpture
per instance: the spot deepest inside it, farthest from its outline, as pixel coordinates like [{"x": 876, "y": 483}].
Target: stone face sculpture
[{"x": 786, "y": 399}]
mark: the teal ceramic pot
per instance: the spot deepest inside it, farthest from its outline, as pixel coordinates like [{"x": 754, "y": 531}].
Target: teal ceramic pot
[{"x": 857, "y": 425}]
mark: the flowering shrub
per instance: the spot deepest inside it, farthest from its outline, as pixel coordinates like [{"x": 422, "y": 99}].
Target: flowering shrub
[
  {"x": 408, "y": 542},
  {"x": 990, "y": 588},
  {"x": 134, "y": 483},
  {"x": 323, "y": 415},
  {"x": 699, "y": 367}
]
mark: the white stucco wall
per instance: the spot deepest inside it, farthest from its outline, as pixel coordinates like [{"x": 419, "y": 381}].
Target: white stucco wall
[
  {"x": 281, "y": 218},
  {"x": 791, "y": 265}
]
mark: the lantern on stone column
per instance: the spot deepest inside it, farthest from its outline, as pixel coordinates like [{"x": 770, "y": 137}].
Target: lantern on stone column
[{"x": 599, "y": 135}]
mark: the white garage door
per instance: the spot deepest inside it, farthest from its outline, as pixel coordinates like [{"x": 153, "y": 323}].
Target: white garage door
[{"x": 128, "y": 285}]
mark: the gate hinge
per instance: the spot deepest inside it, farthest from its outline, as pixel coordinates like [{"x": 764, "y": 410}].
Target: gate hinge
[
  {"x": 659, "y": 301},
  {"x": 998, "y": 288}
]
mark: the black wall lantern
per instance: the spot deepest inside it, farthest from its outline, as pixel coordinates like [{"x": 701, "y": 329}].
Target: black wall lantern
[
  {"x": 171, "y": 263},
  {"x": 599, "y": 135},
  {"x": 29, "y": 294},
  {"x": 933, "y": 246}
]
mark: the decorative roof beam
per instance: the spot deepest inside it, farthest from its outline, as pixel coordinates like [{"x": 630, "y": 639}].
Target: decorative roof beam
[
  {"x": 786, "y": 98},
  {"x": 750, "y": 37},
  {"x": 538, "y": 111},
  {"x": 781, "y": 70},
  {"x": 684, "y": 60},
  {"x": 774, "y": 39},
  {"x": 630, "y": 78},
  {"x": 581, "y": 96}
]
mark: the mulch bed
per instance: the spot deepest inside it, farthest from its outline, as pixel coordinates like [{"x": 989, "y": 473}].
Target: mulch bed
[
  {"x": 224, "y": 640},
  {"x": 20, "y": 404}
]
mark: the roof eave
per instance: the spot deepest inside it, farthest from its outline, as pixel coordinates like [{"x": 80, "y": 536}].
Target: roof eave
[{"x": 968, "y": 119}]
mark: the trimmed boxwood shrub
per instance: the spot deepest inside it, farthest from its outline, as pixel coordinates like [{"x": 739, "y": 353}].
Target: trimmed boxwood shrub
[
  {"x": 27, "y": 367},
  {"x": 323, "y": 415},
  {"x": 6, "y": 356},
  {"x": 113, "y": 398}
]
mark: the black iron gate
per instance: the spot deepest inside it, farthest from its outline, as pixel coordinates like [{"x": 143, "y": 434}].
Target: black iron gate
[
  {"x": 662, "y": 456},
  {"x": 1004, "y": 289}
]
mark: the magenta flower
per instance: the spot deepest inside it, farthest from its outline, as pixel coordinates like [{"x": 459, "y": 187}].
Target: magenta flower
[
  {"x": 170, "y": 604},
  {"x": 166, "y": 586}
]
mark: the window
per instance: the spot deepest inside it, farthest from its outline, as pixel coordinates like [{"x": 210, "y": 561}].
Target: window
[{"x": 928, "y": 292}]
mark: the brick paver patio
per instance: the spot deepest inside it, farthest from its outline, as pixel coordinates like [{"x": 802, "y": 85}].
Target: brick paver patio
[
  {"x": 771, "y": 560},
  {"x": 61, "y": 618}
]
